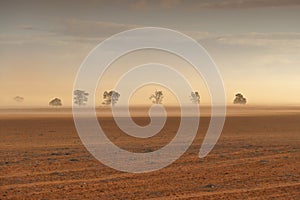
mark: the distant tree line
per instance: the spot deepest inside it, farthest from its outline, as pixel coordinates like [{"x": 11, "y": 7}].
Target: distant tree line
[{"x": 112, "y": 97}]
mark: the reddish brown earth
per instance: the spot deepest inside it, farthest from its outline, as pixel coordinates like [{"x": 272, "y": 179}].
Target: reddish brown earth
[{"x": 256, "y": 157}]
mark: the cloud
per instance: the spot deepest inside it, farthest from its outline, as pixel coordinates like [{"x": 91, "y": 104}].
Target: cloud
[
  {"x": 71, "y": 31},
  {"x": 154, "y": 4},
  {"x": 280, "y": 40},
  {"x": 21, "y": 39},
  {"x": 93, "y": 28},
  {"x": 201, "y": 35},
  {"x": 30, "y": 34},
  {"x": 285, "y": 42},
  {"x": 209, "y": 4},
  {"x": 89, "y": 31},
  {"x": 246, "y": 3},
  {"x": 282, "y": 60},
  {"x": 26, "y": 27}
]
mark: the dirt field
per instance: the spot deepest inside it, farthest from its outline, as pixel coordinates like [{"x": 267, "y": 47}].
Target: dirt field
[{"x": 256, "y": 157}]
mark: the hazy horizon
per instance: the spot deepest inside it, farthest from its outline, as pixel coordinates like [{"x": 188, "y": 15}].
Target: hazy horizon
[{"x": 256, "y": 46}]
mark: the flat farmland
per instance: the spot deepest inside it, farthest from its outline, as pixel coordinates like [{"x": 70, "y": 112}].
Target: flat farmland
[{"x": 256, "y": 157}]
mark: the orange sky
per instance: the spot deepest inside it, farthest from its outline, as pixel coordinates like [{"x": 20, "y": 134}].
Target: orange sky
[{"x": 255, "y": 45}]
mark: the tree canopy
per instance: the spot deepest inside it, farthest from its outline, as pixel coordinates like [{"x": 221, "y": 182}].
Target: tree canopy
[
  {"x": 80, "y": 97},
  {"x": 111, "y": 97},
  {"x": 195, "y": 97},
  {"x": 157, "y": 97},
  {"x": 55, "y": 102},
  {"x": 239, "y": 99}
]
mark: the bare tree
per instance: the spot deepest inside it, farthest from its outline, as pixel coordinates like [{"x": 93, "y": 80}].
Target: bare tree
[
  {"x": 80, "y": 97},
  {"x": 239, "y": 99},
  {"x": 55, "y": 102},
  {"x": 157, "y": 97},
  {"x": 110, "y": 98},
  {"x": 19, "y": 99},
  {"x": 195, "y": 97}
]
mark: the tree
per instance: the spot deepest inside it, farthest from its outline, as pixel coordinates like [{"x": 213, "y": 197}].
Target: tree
[
  {"x": 55, "y": 102},
  {"x": 195, "y": 97},
  {"x": 110, "y": 98},
  {"x": 239, "y": 99},
  {"x": 80, "y": 97},
  {"x": 157, "y": 97},
  {"x": 18, "y": 99}
]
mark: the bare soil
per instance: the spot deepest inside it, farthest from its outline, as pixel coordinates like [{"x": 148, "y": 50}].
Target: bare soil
[{"x": 256, "y": 157}]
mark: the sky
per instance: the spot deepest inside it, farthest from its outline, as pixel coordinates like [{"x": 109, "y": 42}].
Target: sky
[{"x": 255, "y": 44}]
